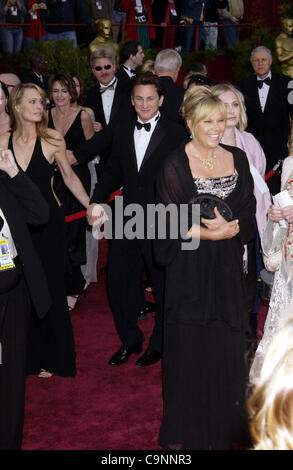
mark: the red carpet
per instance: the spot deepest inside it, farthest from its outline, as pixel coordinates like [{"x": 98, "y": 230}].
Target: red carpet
[{"x": 103, "y": 407}]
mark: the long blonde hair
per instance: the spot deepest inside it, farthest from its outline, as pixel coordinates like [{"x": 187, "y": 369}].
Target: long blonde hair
[
  {"x": 15, "y": 99},
  {"x": 270, "y": 406},
  {"x": 221, "y": 88}
]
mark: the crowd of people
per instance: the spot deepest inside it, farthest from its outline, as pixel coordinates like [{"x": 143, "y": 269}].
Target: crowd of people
[
  {"x": 200, "y": 151},
  {"x": 176, "y": 22}
]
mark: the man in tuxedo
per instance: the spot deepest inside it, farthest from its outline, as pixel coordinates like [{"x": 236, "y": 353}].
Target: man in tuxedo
[
  {"x": 138, "y": 150},
  {"x": 167, "y": 66},
  {"x": 268, "y": 110},
  {"x": 108, "y": 97},
  {"x": 131, "y": 57},
  {"x": 39, "y": 67}
]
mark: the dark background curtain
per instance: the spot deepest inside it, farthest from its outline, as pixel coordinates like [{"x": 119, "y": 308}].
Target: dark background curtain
[{"x": 266, "y": 9}]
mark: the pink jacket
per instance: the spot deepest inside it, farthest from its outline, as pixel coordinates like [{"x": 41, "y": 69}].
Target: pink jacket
[{"x": 257, "y": 159}]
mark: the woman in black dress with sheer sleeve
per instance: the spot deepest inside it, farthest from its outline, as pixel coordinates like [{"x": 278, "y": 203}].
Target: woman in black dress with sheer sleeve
[
  {"x": 75, "y": 125},
  {"x": 205, "y": 314}
]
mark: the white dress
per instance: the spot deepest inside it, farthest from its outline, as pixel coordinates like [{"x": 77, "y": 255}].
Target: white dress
[{"x": 281, "y": 302}]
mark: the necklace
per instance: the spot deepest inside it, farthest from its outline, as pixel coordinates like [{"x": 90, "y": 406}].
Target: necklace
[{"x": 207, "y": 163}]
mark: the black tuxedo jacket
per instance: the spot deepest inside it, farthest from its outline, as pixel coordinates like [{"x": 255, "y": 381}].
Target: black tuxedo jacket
[
  {"x": 31, "y": 77},
  {"x": 22, "y": 204},
  {"x": 173, "y": 99},
  {"x": 121, "y": 102},
  {"x": 272, "y": 126},
  {"x": 121, "y": 109},
  {"x": 123, "y": 78},
  {"x": 138, "y": 186}
]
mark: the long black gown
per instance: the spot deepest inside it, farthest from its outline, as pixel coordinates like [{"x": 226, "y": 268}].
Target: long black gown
[
  {"x": 75, "y": 231},
  {"x": 50, "y": 340},
  {"x": 204, "y": 368}
]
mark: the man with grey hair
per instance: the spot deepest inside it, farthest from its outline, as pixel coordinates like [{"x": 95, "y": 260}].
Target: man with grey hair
[
  {"x": 167, "y": 66},
  {"x": 10, "y": 80},
  {"x": 268, "y": 109},
  {"x": 108, "y": 97}
]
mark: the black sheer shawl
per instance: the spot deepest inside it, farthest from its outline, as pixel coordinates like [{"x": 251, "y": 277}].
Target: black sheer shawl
[{"x": 205, "y": 284}]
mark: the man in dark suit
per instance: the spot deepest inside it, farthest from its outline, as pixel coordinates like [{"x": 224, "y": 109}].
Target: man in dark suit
[
  {"x": 131, "y": 57},
  {"x": 138, "y": 151},
  {"x": 268, "y": 110},
  {"x": 39, "y": 67},
  {"x": 108, "y": 97},
  {"x": 167, "y": 66},
  {"x": 21, "y": 278}
]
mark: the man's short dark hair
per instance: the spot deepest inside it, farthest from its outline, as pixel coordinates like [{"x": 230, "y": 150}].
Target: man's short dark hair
[
  {"x": 129, "y": 48},
  {"x": 146, "y": 78},
  {"x": 36, "y": 58}
]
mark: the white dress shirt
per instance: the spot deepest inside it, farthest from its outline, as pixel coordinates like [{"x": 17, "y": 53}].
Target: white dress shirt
[
  {"x": 142, "y": 139},
  {"x": 107, "y": 99},
  {"x": 263, "y": 92},
  {"x": 128, "y": 71}
]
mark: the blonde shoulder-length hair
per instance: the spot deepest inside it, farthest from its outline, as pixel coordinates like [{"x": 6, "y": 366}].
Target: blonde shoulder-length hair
[
  {"x": 270, "y": 405},
  {"x": 198, "y": 103},
  {"x": 221, "y": 88},
  {"x": 15, "y": 99}
]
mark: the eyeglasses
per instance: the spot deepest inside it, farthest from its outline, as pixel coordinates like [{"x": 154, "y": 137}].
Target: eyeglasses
[{"x": 105, "y": 67}]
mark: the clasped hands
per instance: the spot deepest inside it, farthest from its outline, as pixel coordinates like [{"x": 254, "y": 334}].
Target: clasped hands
[
  {"x": 277, "y": 213},
  {"x": 96, "y": 215},
  {"x": 215, "y": 229}
]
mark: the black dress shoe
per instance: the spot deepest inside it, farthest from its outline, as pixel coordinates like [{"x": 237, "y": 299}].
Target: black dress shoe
[
  {"x": 149, "y": 357},
  {"x": 143, "y": 313},
  {"x": 123, "y": 354}
]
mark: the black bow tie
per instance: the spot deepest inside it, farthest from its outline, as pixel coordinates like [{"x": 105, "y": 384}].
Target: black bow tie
[
  {"x": 130, "y": 70},
  {"x": 146, "y": 125},
  {"x": 261, "y": 82}
]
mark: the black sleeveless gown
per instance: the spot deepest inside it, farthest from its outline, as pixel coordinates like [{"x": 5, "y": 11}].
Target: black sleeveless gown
[
  {"x": 75, "y": 231},
  {"x": 50, "y": 341}
]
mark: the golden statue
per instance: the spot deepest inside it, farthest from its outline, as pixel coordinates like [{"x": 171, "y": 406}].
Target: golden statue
[
  {"x": 103, "y": 38},
  {"x": 284, "y": 46}
]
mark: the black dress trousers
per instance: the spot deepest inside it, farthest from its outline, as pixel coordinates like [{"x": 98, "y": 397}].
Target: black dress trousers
[{"x": 14, "y": 314}]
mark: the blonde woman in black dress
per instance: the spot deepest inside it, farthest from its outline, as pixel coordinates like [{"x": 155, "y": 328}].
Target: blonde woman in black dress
[{"x": 205, "y": 312}]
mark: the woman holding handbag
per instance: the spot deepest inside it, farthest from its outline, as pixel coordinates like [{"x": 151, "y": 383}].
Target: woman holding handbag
[{"x": 205, "y": 319}]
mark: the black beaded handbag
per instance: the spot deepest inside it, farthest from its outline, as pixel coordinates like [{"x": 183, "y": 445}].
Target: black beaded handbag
[{"x": 208, "y": 202}]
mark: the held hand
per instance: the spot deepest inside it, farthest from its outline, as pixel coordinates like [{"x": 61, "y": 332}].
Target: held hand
[
  {"x": 288, "y": 214},
  {"x": 275, "y": 213},
  {"x": 96, "y": 215},
  {"x": 234, "y": 20},
  {"x": 97, "y": 126},
  {"x": 7, "y": 163},
  {"x": 214, "y": 224}
]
